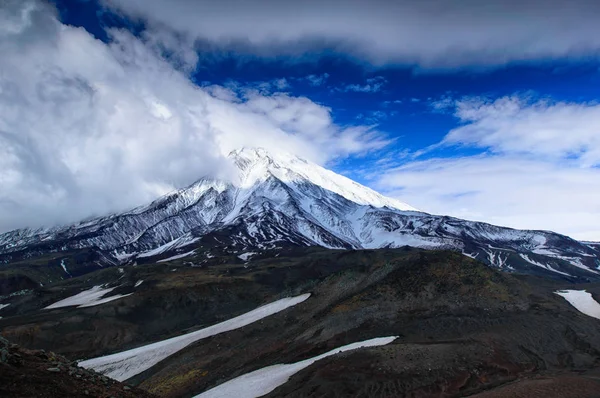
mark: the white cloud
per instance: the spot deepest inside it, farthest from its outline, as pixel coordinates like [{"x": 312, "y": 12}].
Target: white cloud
[
  {"x": 372, "y": 85},
  {"x": 267, "y": 87},
  {"x": 517, "y": 125},
  {"x": 430, "y": 34},
  {"x": 178, "y": 49},
  {"x": 87, "y": 128},
  {"x": 503, "y": 190},
  {"x": 317, "y": 80},
  {"x": 537, "y": 171}
]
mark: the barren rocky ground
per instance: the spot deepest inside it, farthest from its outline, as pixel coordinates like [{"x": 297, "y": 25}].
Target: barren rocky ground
[{"x": 463, "y": 329}]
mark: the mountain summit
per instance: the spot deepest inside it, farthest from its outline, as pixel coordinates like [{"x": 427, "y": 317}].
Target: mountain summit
[
  {"x": 256, "y": 165},
  {"x": 275, "y": 200}
]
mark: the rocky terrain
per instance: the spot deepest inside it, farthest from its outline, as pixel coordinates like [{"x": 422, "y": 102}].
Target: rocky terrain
[
  {"x": 38, "y": 373},
  {"x": 462, "y": 328}
]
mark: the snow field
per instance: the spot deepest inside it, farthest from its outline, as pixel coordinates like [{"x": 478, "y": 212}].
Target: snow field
[
  {"x": 124, "y": 365},
  {"x": 582, "y": 300},
  {"x": 263, "y": 381},
  {"x": 87, "y": 298}
]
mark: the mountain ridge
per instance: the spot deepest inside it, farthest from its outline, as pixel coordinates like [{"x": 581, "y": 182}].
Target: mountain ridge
[{"x": 280, "y": 199}]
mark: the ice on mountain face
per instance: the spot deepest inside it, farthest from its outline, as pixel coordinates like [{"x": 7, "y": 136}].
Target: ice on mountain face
[
  {"x": 87, "y": 298},
  {"x": 3, "y": 306},
  {"x": 582, "y": 301},
  {"x": 124, "y": 365},
  {"x": 263, "y": 381}
]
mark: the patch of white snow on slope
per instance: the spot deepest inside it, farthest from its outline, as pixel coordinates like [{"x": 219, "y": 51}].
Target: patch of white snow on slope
[
  {"x": 174, "y": 244},
  {"x": 473, "y": 256},
  {"x": 571, "y": 260},
  {"x": 246, "y": 256},
  {"x": 4, "y": 305},
  {"x": 263, "y": 381},
  {"x": 177, "y": 256},
  {"x": 64, "y": 267},
  {"x": 548, "y": 267},
  {"x": 87, "y": 298},
  {"x": 124, "y": 365},
  {"x": 139, "y": 282},
  {"x": 582, "y": 300},
  {"x": 496, "y": 259}
]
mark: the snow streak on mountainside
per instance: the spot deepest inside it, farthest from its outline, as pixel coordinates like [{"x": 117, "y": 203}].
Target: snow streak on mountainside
[{"x": 278, "y": 199}]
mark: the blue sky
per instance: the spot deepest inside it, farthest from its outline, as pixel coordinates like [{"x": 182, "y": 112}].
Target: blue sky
[
  {"x": 400, "y": 106},
  {"x": 481, "y": 111}
]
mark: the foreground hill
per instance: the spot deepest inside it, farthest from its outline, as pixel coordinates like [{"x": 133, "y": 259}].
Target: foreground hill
[
  {"x": 457, "y": 327},
  {"x": 36, "y": 373}
]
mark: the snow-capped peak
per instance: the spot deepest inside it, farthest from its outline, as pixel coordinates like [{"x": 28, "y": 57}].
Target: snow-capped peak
[
  {"x": 277, "y": 199},
  {"x": 257, "y": 164}
]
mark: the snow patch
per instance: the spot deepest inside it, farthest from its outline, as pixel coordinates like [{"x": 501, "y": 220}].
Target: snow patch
[
  {"x": 263, "y": 381},
  {"x": 64, "y": 267},
  {"x": 574, "y": 261},
  {"x": 582, "y": 300},
  {"x": 174, "y": 244},
  {"x": 87, "y": 298},
  {"x": 473, "y": 256},
  {"x": 545, "y": 266},
  {"x": 246, "y": 256},
  {"x": 4, "y": 305},
  {"x": 496, "y": 259},
  {"x": 124, "y": 365},
  {"x": 177, "y": 256},
  {"x": 139, "y": 282}
]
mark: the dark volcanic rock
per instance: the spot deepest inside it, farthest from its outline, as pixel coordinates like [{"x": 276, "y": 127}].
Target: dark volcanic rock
[
  {"x": 26, "y": 373},
  {"x": 463, "y": 328}
]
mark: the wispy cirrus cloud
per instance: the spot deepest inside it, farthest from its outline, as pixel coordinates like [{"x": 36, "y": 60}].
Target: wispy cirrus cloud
[
  {"x": 317, "y": 80},
  {"x": 520, "y": 125},
  {"x": 371, "y": 85}
]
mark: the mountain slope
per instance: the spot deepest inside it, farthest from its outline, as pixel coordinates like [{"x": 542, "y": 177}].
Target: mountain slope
[
  {"x": 463, "y": 327},
  {"x": 276, "y": 200}
]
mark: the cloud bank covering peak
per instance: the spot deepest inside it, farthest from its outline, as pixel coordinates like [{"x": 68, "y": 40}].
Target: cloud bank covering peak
[{"x": 88, "y": 127}]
